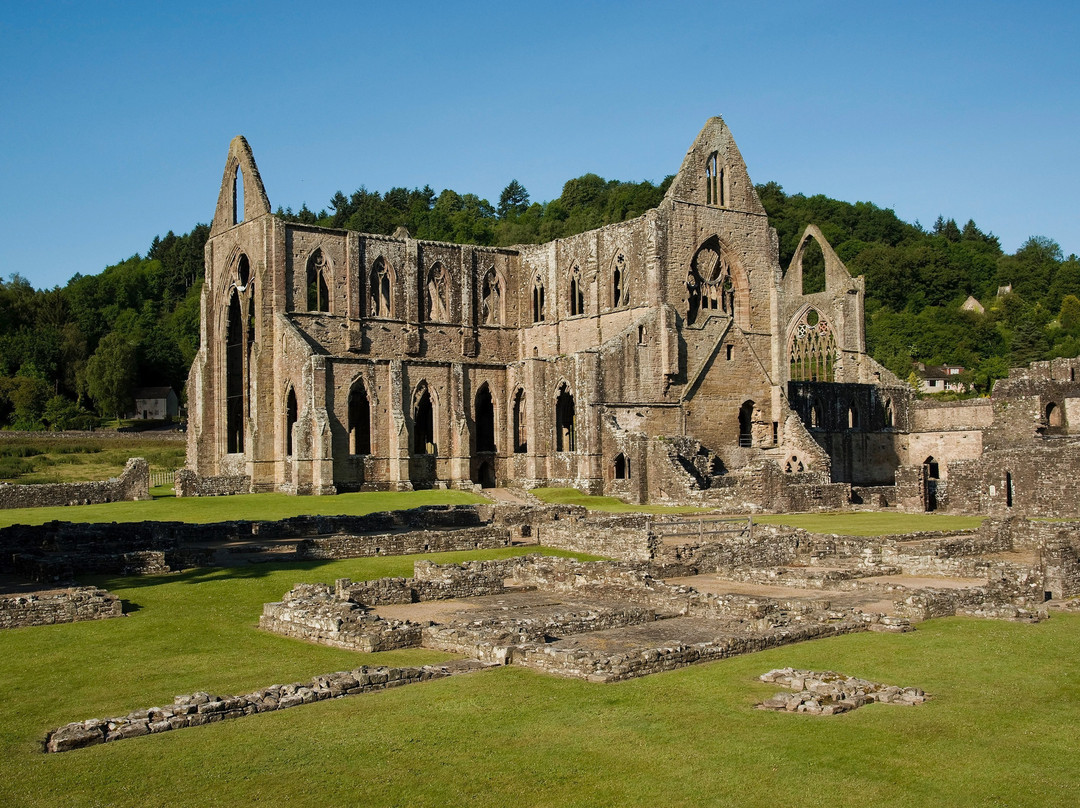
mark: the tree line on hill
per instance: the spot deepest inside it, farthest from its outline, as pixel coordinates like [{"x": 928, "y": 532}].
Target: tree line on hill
[{"x": 69, "y": 352}]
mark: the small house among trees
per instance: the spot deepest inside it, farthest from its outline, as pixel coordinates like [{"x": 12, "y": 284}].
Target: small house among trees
[{"x": 155, "y": 403}]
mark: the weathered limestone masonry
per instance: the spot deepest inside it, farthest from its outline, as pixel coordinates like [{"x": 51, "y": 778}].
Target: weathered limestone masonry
[
  {"x": 187, "y": 483},
  {"x": 58, "y": 606},
  {"x": 832, "y": 693},
  {"x": 503, "y": 623},
  {"x": 196, "y": 709},
  {"x": 615, "y": 360},
  {"x": 132, "y": 484},
  {"x": 1014, "y": 453}
]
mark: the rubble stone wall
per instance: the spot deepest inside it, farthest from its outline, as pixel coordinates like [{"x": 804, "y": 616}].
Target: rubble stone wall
[
  {"x": 59, "y": 606},
  {"x": 195, "y": 709},
  {"x": 412, "y": 542},
  {"x": 186, "y": 483},
  {"x": 132, "y": 484},
  {"x": 622, "y": 536}
]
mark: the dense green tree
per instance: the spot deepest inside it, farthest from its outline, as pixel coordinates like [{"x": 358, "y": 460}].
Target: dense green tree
[
  {"x": 514, "y": 200},
  {"x": 110, "y": 375}
]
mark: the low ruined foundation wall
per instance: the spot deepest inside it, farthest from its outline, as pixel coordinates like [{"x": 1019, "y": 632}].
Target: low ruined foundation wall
[
  {"x": 410, "y": 543},
  {"x": 186, "y": 483},
  {"x": 195, "y": 709},
  {"x": 132, "y": 484},
  {"x": 61, "y": 550},
  {"x": 769, "y": 546},
  {"x": 627, "y": 537},
  {"x": 59, "y": 606},
  {"x": 598, "y": 666}
]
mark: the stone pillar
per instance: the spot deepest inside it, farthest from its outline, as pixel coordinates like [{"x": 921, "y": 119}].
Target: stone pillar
[
  {"x": 397, "y": 435},
  {"x": 457, "y": 425}
]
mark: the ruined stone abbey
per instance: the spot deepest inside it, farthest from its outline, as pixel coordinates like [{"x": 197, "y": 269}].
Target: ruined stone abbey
[{"x": 669, "y": 357}]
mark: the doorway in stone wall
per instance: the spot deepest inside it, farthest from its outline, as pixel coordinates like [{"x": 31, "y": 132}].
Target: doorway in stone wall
[{"x": 485, "y": 474}]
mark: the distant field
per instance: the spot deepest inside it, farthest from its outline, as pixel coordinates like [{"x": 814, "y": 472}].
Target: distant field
[
  {"x": 999, "y": 729},
  {"x": 53, "y": 459},
  {"x": 167, "y": 508}
]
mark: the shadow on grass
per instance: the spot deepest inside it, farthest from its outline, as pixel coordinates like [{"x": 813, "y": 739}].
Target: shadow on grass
[{"x": 129, "y": 606}]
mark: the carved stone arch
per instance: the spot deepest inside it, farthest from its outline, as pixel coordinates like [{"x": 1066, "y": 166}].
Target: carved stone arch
[
  {"x": 239, "y": 168},
  {"x": 837, "y": 276},
  {"x": 360, "y": 409},
  {"x": 290, "y": 406},
  {"x": 812, "y": 348},
  {"x": 575, "y": 289},
  {"x": 565, "y": 418},
  {"x": 519, "y": 419},
  {"x": 493, "y": 297},
  {"x": 319, "y": 272},
  {"x": 381, "y": 286},
  {"x": 236, "y": 392},
  {"x": 619, "y": 279},
  {"x": 436, "y": 292},
  {"x": 538, "y": 303},
  {"x": 423, "y": 410},
  {"x": 484, "y": 419},
  {"x": 230, "y": 277},
  {"x": 716, "y": 282}
]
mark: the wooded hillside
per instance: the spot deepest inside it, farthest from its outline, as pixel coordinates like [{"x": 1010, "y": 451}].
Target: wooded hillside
[{"x": 61, "y": 348}]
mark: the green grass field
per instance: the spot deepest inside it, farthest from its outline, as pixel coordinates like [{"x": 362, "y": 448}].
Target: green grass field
[
  {"x": 53, "y": 459},
  {"x": 242, "y": 506},
  {"x": 1000, "y": 729}
]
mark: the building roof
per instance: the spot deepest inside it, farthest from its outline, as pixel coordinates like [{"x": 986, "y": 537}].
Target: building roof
[{"x": 153, "y": 392}]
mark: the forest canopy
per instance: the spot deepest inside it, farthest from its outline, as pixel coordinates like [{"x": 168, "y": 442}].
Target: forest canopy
[{"x": 57, "y": 344}]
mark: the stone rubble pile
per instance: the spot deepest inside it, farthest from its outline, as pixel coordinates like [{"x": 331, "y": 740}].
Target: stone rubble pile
[
  {"x": 195, "y": 709},
  {"x": 830, "y": 693}
]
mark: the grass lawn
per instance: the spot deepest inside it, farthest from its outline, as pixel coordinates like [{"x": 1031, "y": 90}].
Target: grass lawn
[
  {"x": 55, "y": 459},
  {"x": 242, "y": 506},
  {"x": 849, "y": 523},
  {"x": 1000, "y": 729}
]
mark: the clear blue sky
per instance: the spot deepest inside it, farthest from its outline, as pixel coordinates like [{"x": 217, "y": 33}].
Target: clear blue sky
[{"x": 115, "y": 118}]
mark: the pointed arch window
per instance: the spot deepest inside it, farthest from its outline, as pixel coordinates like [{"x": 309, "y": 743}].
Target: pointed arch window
[
  {"x": 485, "y": 420},
  {"x": 577, "y": 294},
  {"x": 234, "y": 377},
  {"x": 521, "y": 441},
  {"x": 538, "y": 300},
  {"x": 423, "y": 422},
  {"x": 359, "y": 420},
  {"x": 565, "y": 417},
  {"x": 715, "y": 192},
  {"x": 709, "y": 284},
  {"x": 620, "y": 286},
  {"x": 853, "y": 417},
  {"x": 238, "y": 196},
  {"x": 812, "y": 351},
  {"x": 622, "y": 467},
  {"x": 491, "y": 298},
  {"x": 1053, "y": 415},
  {"x": 291, "y": 415},
  {"x": 746, "y": 424},
  {"x": 318, "y": 285},
  {"x": 380, "y": 286},
  {"x": 435, "y": 294}
]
